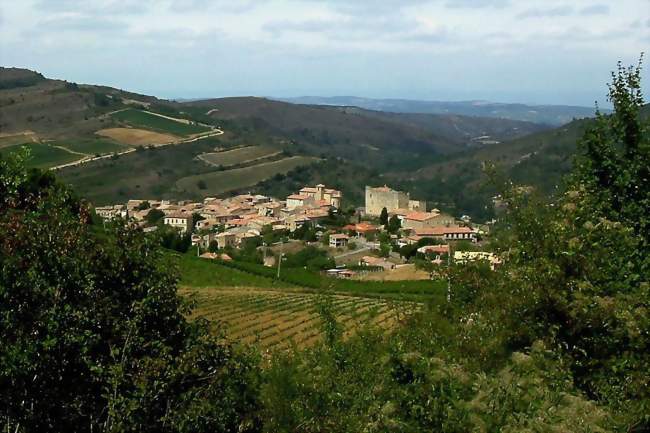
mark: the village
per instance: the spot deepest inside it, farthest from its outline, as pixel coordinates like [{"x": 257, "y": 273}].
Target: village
[{"x": 392, "y": 237}]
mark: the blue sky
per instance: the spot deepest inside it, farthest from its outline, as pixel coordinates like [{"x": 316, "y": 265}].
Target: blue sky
[{"x": 533, "y": 51}]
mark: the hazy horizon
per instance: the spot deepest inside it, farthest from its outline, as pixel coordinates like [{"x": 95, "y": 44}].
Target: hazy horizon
[{"x": 532, "y": 52}]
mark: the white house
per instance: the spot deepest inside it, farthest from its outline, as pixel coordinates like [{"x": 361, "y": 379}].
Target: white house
[{"x": 181, "y": 221}]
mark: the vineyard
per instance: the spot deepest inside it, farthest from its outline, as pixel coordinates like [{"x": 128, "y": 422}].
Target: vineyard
[{"x": 277, "y": 320}]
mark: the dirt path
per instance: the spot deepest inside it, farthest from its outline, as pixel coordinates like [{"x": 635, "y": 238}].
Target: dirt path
[
  {"x": 69, "y": 150},
  {"x": 215, "y": 132}
]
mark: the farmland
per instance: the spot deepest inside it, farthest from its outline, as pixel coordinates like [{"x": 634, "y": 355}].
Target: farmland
[
  {"x": 7, "y": 140},
  {"x": 219, "y": 182},
  {"x": 143, "y": 119},
  {"x": 91, "y": 146},
  {"x": 237, "y": 156},
  {"x": 44, "y": 155},
  {"x": 136, "y": 137},
  {"x": 280, "y": 319},
  {"x": 260, "y": 309}
]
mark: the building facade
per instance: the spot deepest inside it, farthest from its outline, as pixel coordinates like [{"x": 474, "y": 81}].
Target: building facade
[
  {"x": 381, "y": 197},
  {"x": 384, "y": 197},
  {"x": 319, "y": 194},
  {"x": 182, "y": 222}
]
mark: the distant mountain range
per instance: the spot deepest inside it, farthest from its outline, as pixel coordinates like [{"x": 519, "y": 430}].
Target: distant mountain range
[{"x": 547, "y": 114}]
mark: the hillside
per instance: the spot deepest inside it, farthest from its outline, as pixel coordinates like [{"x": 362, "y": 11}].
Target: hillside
[
  {"x": 112, "y": 144},
  {"x": 362, "y": 135},
  {"x": 545, "y": 114}
]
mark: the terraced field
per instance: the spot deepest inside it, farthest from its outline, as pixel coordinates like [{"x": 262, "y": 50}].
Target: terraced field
[
  {"x": 277, "y": 320},
  {"x": 241, "y": 155}
]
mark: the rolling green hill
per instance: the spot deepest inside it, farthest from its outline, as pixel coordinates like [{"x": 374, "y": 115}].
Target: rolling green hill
[
  {"x": 389, "y": 141},
  {"x": 436, "y": 157}
]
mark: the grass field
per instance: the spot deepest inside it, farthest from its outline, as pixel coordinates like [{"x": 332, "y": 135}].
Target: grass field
[
  {"x": 277, "y": 320},
  {"x": 219, "y": 182},
  {"x": 139, "y": 118},
  {"x": 241, "y": 155},
  {"x": 44, "y": 155},
  {"x": 91, "y": 146}
]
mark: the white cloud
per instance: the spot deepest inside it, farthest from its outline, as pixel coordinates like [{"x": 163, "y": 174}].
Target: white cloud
[{"x": 274, "y": 46}]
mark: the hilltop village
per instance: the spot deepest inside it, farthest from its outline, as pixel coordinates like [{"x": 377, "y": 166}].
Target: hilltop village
[{"x": 392, "y": 236}]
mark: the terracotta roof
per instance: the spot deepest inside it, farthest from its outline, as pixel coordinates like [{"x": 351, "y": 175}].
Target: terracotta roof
[
  {"x": 339, "y": 236},
  {"x": 179, "y": 215},
  {"x": 420, "y": 216},
  {"x": 365, "y": 227},
  {"x": 297, "y": 197},
  {"x": 440, "y": 249},
  {"x": 442, "y": 230},
  {"x": 225, "y": 257}
]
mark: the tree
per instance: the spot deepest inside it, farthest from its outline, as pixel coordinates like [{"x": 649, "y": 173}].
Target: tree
[
  {"x": 104, "y": 344},
  {"x": 394, "y": 224},
  {"x": 196, "y": 217},
  {"x": 577, "y": 269},
  {"x": 201, "y": 184},
  {"x": 142, "y": 206},
  {"x": 154, "y": 216},
  {"x": 383, "y": 217}
]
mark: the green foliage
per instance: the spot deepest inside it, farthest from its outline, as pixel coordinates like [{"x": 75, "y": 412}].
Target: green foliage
[
  {"x": 307, "y": 279},
  {"x": 171, "y": 238},
  {"x": 394, "y": 224},
  {"x": 383, "y": 217},
  {"x": 142, "y": 206},
  {"x": 197, "y": 272},
  {"x": 374, "y": 383},
  {"x": 94, "y": 337},
  {"x": 305, "y": 232},
  {"x": 577, "y": 270},
  {"x": 311, "y": 258},
  {"x": 154, "y": 216}
]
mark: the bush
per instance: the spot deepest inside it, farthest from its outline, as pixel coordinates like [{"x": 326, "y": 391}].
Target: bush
[{"x": 104, "y": 344}]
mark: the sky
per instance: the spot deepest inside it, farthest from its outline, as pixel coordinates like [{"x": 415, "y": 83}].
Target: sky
[{"x": 530, "y": 51}]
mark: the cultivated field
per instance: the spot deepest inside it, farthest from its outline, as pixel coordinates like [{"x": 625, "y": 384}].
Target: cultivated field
[
  {"x": 136, "y": 137},
  {"x": 91, "y": 147},
  {"x": 278, "y": 319},
  {"x": 7, "y": 140},
  {"x": 143, "y": 119},
  {"x": 44, "y": 155},
  {"x": 400, "y": 273},
  {"x": 241, "y": 155},
  {"x": 219, "y": 182}
]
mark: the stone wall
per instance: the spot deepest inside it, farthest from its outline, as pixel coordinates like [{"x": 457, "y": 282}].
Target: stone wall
[{"x": 384, "y": 197}]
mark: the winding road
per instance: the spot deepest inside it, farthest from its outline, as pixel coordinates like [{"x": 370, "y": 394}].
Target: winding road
[{"x": 212, "y": 133}]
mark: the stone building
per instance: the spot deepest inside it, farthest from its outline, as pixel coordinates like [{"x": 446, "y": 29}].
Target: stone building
[
  {"x": 322, "y": 195},
  {"x": 385, "y": 197}
]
